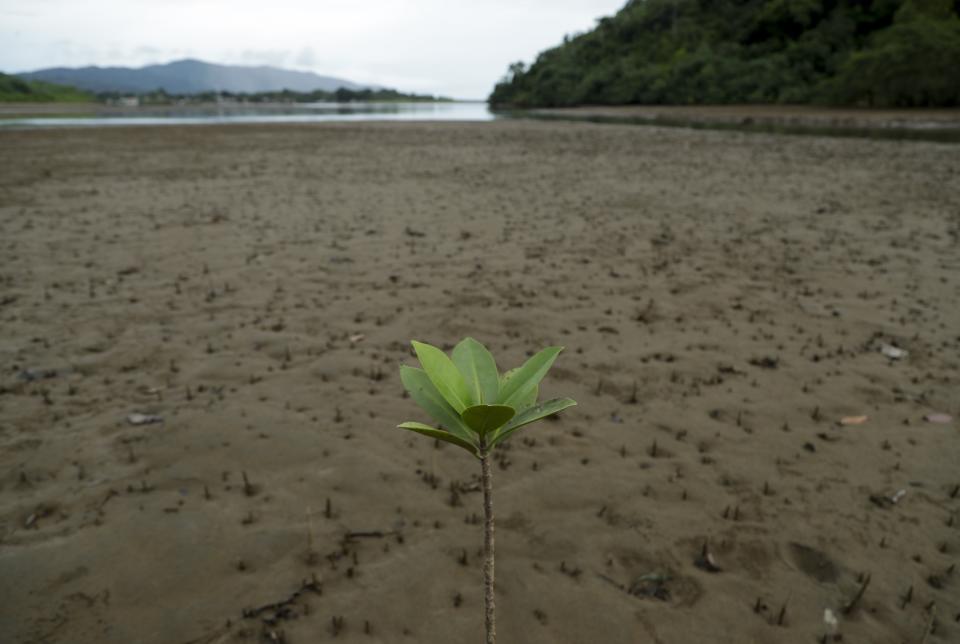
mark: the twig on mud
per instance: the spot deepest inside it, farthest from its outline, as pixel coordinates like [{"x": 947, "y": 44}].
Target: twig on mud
[{"x": 281, "y": 609}]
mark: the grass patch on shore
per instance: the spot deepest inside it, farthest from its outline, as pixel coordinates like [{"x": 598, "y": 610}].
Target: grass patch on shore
[{"x": 17, "y": 90}]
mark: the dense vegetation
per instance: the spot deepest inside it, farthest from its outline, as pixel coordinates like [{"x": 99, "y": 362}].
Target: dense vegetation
[
  {"x": 342, "y": 95},
  {"x": 17, "y": 90},
  {"x": 896, "y": 53}
]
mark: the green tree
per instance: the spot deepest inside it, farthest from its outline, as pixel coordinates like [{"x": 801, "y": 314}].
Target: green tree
[
  {"x": 880, "y": 52},
  {"x": 914, "y": 63}
]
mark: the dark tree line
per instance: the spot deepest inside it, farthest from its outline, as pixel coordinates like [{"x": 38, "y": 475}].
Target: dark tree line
[
  {"x": 341, "y": 95},
  {"x": 894, "y": 53}
]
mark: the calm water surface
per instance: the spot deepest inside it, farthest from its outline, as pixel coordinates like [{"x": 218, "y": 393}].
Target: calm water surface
[
  {"x": 294, "y": 113},
  {"x": 454, "y": 111}
]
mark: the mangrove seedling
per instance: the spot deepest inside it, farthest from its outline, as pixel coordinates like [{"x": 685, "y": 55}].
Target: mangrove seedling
[{"x": 477, "y": 408}]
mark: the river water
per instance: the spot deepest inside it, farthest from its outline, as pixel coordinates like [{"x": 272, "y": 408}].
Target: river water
[
  {"x": 250, "y": 113},
  {"x": 66, "y": 115}
]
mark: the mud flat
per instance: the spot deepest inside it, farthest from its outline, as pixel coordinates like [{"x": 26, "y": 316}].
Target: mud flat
[
  {"x": 726, "y": 300},
  {"x": 942, "y": 125}
]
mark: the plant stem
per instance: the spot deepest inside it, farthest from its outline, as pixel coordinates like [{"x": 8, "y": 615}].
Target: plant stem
[{"x": 488, "y": 544}]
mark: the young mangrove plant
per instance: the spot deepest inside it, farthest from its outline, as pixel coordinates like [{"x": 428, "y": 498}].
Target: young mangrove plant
[{"x": 477, "y": 408}]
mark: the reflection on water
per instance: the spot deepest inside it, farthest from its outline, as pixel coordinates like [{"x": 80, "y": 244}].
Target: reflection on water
[{"x": 252, "y": 113}]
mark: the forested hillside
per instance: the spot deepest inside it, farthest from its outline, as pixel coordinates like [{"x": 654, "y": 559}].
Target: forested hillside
[
  {"x": 892, "y": 53},
  {"x": 17, "y": 90}
]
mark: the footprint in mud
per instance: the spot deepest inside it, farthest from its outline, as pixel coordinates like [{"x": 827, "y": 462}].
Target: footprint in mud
[{"x": 814, "y": 563}]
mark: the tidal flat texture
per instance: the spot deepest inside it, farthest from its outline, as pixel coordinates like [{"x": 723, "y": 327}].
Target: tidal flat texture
[{"x": 732, "y": 305}]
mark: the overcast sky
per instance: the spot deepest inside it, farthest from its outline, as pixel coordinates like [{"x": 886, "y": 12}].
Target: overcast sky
[{"x": 457, "y": 48}]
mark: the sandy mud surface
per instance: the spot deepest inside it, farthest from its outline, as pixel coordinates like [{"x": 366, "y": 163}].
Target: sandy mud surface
[
  {"x": 725, "y": 300},
  {"x": 787, "y": 116}
]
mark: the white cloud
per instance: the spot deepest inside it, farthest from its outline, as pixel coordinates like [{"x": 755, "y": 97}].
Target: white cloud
[
  {"x": 272, "y": 57},
  {"x": 452, "y": 47},
  {"x": 306, "y": 58}
]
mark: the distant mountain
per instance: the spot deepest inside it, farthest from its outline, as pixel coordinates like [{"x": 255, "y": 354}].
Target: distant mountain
[{"x": 188, "y": 77}]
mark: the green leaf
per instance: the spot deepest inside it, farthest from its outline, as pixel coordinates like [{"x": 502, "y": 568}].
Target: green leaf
[
  {"x": 529, "y": 401},
  {"x": 486, "y": 418},
  {"x": 517, "y": 389},
  {"x": 444, "y": 375},
  {"x": 531, "y": 415},
  {"x": 439, "y": 434},
  {"x": 479, "y": 371},
  {"x": 426, "y": 395}
]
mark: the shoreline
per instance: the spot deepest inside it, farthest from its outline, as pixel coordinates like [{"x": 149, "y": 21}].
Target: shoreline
[
  {"x": 850, "y": 117},
  {"x": 935, "y": 125},
  {"x": 938, "y": 125},
  {"x": 101, "y": 109}
]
